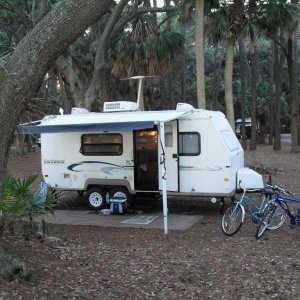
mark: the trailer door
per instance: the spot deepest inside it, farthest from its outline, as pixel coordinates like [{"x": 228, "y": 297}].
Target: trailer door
[
  {"x": 146, "y": 160},
  {"x": 171, "y": 156}
]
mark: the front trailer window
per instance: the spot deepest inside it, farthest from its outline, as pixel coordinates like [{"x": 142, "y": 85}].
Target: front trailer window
[
  {"x": 189, "y": 143},
  {"x": 102, "y": 144}
]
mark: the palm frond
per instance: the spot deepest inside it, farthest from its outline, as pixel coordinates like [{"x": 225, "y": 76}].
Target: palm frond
[{"x": 145, "y": 49}]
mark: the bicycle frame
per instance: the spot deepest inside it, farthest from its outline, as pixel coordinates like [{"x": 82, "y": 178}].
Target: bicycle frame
[
  {"x": 246, "y": 202},
  {"x": 293, "y": 219}
]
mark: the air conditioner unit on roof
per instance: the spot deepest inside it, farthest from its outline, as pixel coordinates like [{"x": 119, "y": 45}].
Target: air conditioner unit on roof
[
  {"x": 184, "y": 106},
  {"x": 79, "y": 111},
  {"x": 120, "y": 106}
]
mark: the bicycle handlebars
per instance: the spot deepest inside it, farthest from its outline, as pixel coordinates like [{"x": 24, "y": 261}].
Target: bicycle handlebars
[{"x": 279, "y": 189}]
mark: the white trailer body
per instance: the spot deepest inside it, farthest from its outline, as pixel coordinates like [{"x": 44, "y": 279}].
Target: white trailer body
[{"x": 202, "y": 155}]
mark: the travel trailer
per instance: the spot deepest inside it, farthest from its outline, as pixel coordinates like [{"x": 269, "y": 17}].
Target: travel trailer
[
  {"x": 248, "y": 123},
  {"x": 123, "y": 152}
]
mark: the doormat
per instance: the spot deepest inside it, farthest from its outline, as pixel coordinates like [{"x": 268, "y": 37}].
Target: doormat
[{"x": 140, "y": 220}]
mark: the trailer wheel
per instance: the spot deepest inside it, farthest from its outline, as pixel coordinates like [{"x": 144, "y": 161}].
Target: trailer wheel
[
  {"x": 96, "y": 198},
  {"x": 121, "y": 192}
]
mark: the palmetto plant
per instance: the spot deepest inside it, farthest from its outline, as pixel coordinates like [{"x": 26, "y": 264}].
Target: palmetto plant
[
  {"x": 144, "y": 48},
  {"x": 23, "y": 209}
]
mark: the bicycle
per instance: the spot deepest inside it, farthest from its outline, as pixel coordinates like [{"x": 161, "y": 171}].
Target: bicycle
[
  {"x": 278, "y": 205},
  {"x": 234, "y": 216}
]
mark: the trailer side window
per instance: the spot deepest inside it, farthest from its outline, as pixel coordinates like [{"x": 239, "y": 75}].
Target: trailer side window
[
  {"x": 189, "y": 143},
  {"x": 102, "y": 144}
]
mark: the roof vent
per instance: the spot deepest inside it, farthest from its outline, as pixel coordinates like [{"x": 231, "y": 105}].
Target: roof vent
[
  {"x": 79, "y": 111},
  {"x": 184, "y": 106},
  {"x": 120, "y": 106}
]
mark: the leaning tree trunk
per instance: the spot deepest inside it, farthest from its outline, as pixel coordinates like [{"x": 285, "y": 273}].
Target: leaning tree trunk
[
  {"x": 228, "y": 81},
  {"x": 31, "y": 59},
  {"x": 99, "y": 89}
]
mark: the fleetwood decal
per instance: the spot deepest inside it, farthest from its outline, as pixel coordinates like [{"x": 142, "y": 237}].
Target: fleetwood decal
[{"x": 54, "y": 161}]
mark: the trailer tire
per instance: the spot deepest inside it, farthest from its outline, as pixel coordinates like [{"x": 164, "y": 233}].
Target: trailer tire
[
  {"x": 96, "y": 198},
  {"x": 121, "y": 192}
]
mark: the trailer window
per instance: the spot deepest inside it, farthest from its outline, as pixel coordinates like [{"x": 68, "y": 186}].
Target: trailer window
[
  {"x": 102, "y": 144},
  {"x": 189, "y": 143},
  {"x": 230, "y": 140}
]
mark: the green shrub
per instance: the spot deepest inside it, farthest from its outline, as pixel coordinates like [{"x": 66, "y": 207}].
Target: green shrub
[{"x": 23, "y": 209}]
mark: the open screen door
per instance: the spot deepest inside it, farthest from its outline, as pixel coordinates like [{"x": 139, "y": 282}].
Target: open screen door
[
  {"x": 171, "y": 156},
  {"x": 146, "y": 160}
]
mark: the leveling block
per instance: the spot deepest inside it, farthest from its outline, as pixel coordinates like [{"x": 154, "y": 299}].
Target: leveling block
[{"x": 140, "y": 220}]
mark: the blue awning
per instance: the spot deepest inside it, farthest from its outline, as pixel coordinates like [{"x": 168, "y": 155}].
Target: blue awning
[{"x": 118, "y": 126}]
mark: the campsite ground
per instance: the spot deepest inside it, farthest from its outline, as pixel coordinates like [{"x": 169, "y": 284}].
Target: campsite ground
[{"x": 86, "y": 262}]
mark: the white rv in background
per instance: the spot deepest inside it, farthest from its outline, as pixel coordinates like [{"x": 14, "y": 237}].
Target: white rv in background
[{"x": 123, "y": 152}]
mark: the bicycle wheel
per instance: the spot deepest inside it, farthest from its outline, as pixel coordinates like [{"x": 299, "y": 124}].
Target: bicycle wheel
[
  {"x": 232, "y": 220},
  {"x": 267, "y": 215},
  {"x": 278, "y": 217}
]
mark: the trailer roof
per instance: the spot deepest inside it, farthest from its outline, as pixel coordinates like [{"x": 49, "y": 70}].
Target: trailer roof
[{"x": 121, "y": 121}]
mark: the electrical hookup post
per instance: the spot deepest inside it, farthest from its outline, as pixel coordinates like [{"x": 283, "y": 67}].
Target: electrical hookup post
[{"x": 163, "y": 174}]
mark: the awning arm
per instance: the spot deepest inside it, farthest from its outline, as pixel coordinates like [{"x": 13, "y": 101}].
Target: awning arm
[{"x": 163, "y": 175}]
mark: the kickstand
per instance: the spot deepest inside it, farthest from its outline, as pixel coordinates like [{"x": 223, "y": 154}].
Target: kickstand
[{"x": 222, "y": 206}]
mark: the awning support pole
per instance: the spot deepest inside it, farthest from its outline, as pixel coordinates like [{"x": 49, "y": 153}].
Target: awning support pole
[{"x": 163, "y": 175}]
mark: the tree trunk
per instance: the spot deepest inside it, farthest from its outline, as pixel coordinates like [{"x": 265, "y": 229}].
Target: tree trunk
[
  {"x": 271, "y": 95},
  {"x": 217, "y": 81},
  {"x": 278, "y": 74},
  {"x": 183, "y": 92},
  {"x": 228, "y": 81},
  {"x": 163, "y": 95},
  {"x": 32, "y": 58},
  {"x": 199, "y": 44},
  {"x": 296, "y": 69},
  {"x": 52, "y": 82},
  {"x": 254, "y": 76},
  {"x": 243, "y": 91},
  {"x": 74, "y": 77},
  {"x": 64, "y": 97},
  {"x": 293, "y": 95},
  {"x": 171, "y": 89}
]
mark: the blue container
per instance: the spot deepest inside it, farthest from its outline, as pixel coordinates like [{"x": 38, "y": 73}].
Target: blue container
[{"x": 118, "y": 205}]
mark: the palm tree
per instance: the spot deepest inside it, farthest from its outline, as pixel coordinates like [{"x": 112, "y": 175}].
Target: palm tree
[
  {"x": 195, "y": 9},
  {"x": 199, "y": 45},
  {"x": 145, "y": 48},
  {"x": 226, "y": 23}
]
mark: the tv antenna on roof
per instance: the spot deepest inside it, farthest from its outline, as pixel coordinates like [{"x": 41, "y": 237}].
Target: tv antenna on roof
[{"x": 140, "y": 79}]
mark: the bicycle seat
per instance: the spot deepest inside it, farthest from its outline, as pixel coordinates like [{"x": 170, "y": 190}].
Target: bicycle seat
[{"x": 269, "y": 192}]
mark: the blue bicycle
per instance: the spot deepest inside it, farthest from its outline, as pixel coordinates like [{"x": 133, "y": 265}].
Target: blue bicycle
[
  {"x": 234, "y": 216},
  {"x": 278, "y": 206}
]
